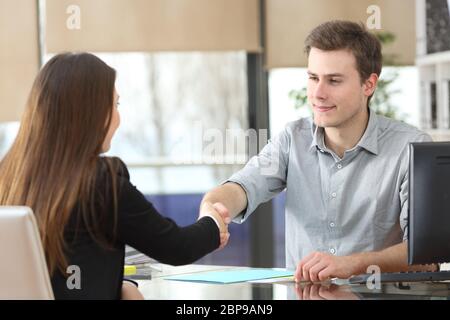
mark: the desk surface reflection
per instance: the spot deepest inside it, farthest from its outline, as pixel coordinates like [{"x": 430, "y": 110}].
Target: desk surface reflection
[{"x": 160, "y": 289}]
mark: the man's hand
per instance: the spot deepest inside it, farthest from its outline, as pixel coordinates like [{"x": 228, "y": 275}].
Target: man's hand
[
  {"x": 221, "y": 214},
  {"x": 319, "y": 266}
]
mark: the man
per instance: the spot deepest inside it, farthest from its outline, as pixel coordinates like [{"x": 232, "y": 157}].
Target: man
[{"x": 345, "y": 170}]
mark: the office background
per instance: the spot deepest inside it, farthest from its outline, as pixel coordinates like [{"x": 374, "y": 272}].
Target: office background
[{"x": 191, "y": 71}]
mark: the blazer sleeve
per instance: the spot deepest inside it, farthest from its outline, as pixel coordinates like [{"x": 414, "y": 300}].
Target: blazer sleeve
[{"x": 141, "y": 226}]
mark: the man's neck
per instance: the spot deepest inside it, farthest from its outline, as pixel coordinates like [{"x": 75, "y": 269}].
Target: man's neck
[{"x": 346, "y": 136}]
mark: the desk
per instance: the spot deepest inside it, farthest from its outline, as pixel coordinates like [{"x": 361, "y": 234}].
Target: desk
[{"x": 160, "y": 289}]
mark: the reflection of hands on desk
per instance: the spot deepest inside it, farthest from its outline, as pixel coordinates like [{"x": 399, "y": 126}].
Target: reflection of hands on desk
[
  {"x": 221, "y": 215},
  {"x": 318, "y": 291}
]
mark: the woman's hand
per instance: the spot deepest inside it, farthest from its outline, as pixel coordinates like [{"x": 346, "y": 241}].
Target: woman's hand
[
  {"x": 221, "y": 214},
  {"x": 130, "y": 291}
]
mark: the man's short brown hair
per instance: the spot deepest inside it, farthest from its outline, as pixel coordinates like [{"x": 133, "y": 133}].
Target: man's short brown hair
[{"x": 337, "y": 35}]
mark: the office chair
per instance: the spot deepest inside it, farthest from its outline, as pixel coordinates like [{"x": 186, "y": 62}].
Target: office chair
[{"x": 23, "y": 268}]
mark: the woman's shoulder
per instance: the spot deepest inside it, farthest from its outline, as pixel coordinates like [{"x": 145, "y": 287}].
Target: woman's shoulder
[
  {"x": 116, "y": 179},
  {"x": 113, "y": 165}
]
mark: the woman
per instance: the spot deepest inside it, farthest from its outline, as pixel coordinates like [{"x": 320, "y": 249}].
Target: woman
[{"x": 85, "y": 205}]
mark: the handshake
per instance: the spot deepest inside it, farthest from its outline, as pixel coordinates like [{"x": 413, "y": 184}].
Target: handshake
[{"x": 221, "y": 215}]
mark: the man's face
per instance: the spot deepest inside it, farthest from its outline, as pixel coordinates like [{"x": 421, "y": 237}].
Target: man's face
[{"x": 335, "y": 92}]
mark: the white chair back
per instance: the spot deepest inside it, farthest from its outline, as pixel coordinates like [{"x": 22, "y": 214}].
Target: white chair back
[{"x": 23, "y": 269}]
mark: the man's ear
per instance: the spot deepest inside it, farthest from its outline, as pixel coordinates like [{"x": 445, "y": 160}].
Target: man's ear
[{"x": 370, "y": 84}]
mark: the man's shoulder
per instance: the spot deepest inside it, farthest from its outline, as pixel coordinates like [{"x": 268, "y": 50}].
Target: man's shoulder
[
  {"x": 390, "y": 128},
  {"x": 302, "y": 124}
]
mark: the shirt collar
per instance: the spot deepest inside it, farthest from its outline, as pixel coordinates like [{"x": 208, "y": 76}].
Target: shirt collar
[
  {"x": 368, "y": 141},
  {"x": 318, "y": 138}
]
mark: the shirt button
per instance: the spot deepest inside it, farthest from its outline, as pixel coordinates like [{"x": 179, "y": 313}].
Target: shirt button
[
  {"x": 332, "y": 224},
  {"x": 332, "y": 250},
  {"x": 339, "y": 166},
  {"x": 334, "y": 194}
]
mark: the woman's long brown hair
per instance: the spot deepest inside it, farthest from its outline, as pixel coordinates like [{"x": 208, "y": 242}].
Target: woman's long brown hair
[{"x": 53, "y": 163}]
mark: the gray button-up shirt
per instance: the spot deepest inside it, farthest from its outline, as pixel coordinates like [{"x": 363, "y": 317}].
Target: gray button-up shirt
[{"x": 339, "y": 206}]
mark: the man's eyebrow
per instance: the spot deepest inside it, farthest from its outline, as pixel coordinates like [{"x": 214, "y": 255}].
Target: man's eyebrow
[
  {"x": 334, "y": 75},
  {"x": 329, "y": 75}
]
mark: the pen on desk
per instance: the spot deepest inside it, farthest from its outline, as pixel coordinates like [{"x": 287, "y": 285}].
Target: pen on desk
[{"x": 129, "y": 270}]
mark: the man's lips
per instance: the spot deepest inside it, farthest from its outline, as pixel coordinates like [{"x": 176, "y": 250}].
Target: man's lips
[{"x": 324, "y": 108}]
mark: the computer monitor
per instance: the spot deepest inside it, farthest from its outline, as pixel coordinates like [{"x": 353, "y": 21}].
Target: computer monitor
[{"x": 429, "y": 203}]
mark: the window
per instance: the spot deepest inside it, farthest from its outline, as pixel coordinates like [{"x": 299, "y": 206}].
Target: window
[
  {"x": 170, "y": 103},
  {"x": 8, "y": 132}
]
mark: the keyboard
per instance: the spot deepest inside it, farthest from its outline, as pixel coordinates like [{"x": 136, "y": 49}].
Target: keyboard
[{"x": 414, "y": 276}]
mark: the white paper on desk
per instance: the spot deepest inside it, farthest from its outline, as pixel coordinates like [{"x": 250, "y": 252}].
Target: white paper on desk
[
  {"x": 232, "y": 276},
  {"x": 274, "y": 280}
]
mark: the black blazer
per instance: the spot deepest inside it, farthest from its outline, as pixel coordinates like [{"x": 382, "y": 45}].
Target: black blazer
[{"x": 138, "y": 225}]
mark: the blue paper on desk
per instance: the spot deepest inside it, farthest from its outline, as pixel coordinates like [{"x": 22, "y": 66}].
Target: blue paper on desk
[{"x": 232, "y": 276}]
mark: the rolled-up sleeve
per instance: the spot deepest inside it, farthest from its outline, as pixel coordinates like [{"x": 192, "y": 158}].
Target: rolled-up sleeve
[
  {"x": 404, "y": 189},
  {"x": 264, "y": 176}
]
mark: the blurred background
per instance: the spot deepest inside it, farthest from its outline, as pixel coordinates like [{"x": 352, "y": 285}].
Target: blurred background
[{"x": 198, "y": 77}]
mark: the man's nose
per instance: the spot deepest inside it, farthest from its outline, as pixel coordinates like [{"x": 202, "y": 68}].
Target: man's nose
[{"x": 320, "y": 90}]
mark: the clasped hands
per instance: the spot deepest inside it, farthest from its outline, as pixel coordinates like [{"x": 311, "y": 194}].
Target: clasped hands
[{"x": 221, "y": 214}]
